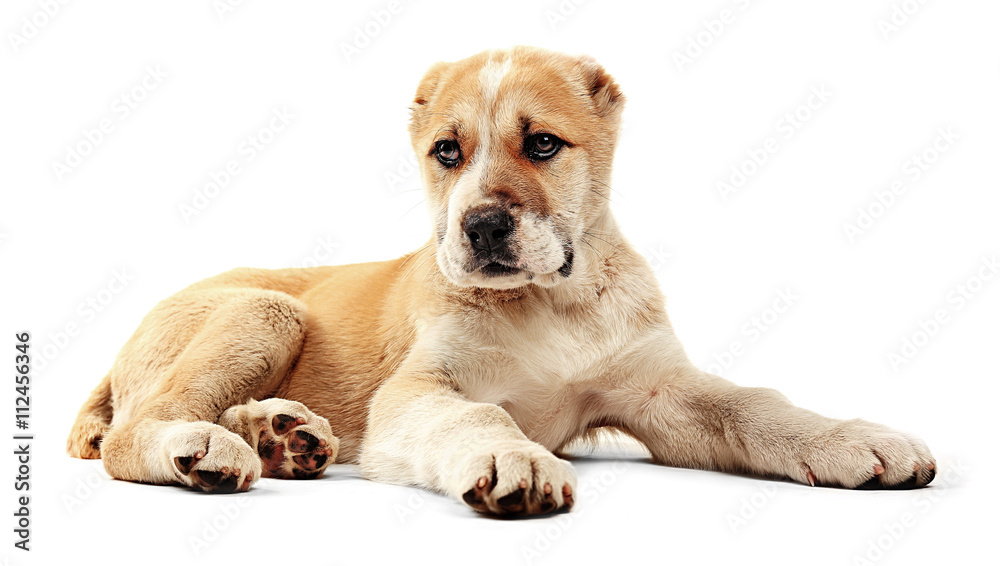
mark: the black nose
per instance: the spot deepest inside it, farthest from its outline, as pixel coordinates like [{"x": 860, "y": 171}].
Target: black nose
[{"x": 488, "y": 228}]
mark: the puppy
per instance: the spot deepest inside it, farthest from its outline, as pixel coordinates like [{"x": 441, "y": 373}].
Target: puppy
[{"x": 527, "y": 321}]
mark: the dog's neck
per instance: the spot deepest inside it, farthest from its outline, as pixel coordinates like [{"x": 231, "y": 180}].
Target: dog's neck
[
  {"x": 601, "y": 239},
  {"x": 600, "y": 251}
]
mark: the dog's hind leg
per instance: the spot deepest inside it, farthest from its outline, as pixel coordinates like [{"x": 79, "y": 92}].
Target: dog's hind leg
[
  {"x": 242, "y": 343},
  {"x": 92, "y": 423}
]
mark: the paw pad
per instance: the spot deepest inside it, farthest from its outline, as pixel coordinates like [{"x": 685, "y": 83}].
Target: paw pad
[
  {"x": 287, "y": 450},
  {"x": 223, "y": 480}
]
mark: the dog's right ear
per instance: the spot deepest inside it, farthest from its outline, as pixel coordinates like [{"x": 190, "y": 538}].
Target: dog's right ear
[
  {"x": 425, "y": 94},
  {"x": 604, "y": 91}
]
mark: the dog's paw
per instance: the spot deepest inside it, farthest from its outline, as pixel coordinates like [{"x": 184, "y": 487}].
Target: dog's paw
[
  {"x": 517, "y": 478},
  {"x": 860, "y": 454},
  {"x": 208, "y": 457},
  {"x": 85, "y": 439},
  {"x": 291, "y": 440}
]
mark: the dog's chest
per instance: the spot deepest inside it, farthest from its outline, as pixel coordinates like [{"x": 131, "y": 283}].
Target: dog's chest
[{"x": 537, "y": 353}]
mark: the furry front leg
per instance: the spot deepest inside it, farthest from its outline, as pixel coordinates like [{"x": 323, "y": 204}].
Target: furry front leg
[
  {"x": 703, "y": 421},
  {"x": 778, "y": 437},
  {"x": 426, "y": 434}
]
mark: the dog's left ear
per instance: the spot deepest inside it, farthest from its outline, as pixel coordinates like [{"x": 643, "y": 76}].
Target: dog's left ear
[{"x": 604, "y": 91}]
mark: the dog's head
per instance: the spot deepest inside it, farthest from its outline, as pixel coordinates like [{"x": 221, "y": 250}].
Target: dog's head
[{"x": 515, "y": 152}]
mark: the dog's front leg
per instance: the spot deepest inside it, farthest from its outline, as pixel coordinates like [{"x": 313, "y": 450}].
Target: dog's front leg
[
  {"x": 693, "y": 419},
  {"x": 422, "y": 432}
]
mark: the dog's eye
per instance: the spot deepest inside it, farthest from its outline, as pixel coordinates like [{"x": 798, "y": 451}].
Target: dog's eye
[
  {"x": 447, "y": 152},
  {"x": 540, "y": 147}
]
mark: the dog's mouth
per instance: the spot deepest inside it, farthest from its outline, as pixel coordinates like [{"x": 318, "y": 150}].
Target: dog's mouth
[
  {"x": 504, "y": 272},
  {"x": 495, "y": 263},
  {"x": 496, "y": 269}
]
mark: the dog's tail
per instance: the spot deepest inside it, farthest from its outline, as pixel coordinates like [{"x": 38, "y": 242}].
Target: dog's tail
[{"x": 92, "y": 423}]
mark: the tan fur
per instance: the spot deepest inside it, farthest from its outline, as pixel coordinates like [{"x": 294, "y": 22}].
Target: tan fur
[{"x": 431, "y": 375}]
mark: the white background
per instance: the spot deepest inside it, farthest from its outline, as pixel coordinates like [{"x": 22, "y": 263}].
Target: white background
[{"x": 322, "y": 183}]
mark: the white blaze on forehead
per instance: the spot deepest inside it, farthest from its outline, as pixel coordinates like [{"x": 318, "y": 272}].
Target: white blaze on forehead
[{"x": 490, "y": 77}]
